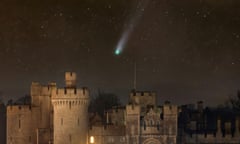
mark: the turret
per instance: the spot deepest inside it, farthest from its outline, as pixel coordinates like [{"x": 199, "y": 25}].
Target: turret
[{"x": 70, "y": 79}]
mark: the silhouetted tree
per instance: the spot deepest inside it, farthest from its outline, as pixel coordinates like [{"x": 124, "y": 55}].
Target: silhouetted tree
[
  {"x": 23, "y": 100},
  {"x": 10, "y": 102},
  {"x": 102, "y": 102},
  {"x": 235, "y": 101}
]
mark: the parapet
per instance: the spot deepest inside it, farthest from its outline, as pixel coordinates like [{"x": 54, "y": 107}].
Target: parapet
[
  {"x": 19, "y": 108},
  {"x": 142, "y": 93},
  {"x": 41, "y": 90},
  {"x": 143, "y": 98},
  {"x": 132, "y": 109},
  {"x": 170, "y": 109},
  {"x": 70, "y": 93}
]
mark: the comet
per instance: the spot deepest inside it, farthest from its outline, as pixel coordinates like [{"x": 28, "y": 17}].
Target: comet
[
  {"x": 122, "y": 42},
  {"x": 131, "y": 26}
]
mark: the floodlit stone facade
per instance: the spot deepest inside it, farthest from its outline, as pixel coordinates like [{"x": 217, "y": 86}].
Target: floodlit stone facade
[
  {"x": 70, "y": 106},
  {"x": 139, "y": 122},
  {"x": 22, "y": 123},
  {"x": 54, "y": 116},
  {"x": 60, "y": 116}
]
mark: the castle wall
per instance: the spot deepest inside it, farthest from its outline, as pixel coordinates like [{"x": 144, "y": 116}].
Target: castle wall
[
  {"x": 218, "y": 137},
  {"x": 211, "y": 139},
  {"x": 132, "y": 123},
  {"x": 143, "y": 98},
  {"x": 170, "y": 118},
  {"x": 110, "y": 134},
  {"x": 70, "y": 115},
  {"x": 22, "y": 122},
  {"x": 116, "y": 116},
  {"x": 64, "y": 112},
  {"x": 44, "y": 136},
  {"x": 41, "y": 97}
]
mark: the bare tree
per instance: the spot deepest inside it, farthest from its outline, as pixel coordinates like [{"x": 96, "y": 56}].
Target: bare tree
[
  {"x": 235, "y": 101},
  {"x": 102, "y": 102}
]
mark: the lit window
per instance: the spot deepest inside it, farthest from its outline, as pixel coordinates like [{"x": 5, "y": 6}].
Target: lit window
[{"x": 91, "y": 139}]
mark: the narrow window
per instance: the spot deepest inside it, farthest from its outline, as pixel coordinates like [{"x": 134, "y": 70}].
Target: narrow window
[
  {"x": 70, "y": 137},
  {"x": 78, "y": 121},
  {"x": 30, "y": 138},
  {"x": 144, "y": 125},
  {"x": 19, "y": 123}
]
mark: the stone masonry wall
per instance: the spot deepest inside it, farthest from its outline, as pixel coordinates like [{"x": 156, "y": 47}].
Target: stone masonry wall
[
  {"x": 22, "y": 122},
  {"x": 70, "y": 115}
]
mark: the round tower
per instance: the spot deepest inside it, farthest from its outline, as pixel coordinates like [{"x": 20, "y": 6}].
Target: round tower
[{"x": 70, "y": 116}]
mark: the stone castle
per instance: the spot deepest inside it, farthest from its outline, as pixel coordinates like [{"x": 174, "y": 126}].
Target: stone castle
[
  {"x": 60, "y": 116},
  {"x": 208, "y": 125},
  {"x": 139, "y": 122},
  {"x": 55, "y": 115}
]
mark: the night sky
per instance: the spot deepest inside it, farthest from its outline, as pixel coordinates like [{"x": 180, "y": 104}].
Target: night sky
[{"x": 185, "y": 50}]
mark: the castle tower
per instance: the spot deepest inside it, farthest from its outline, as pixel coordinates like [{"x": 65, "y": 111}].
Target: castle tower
[
  {"x": 70, "y": 118},
  {"x": 170, "y": 117},
  {"x": 133, "y": 123},
  {"x": 41, "y": 97}
]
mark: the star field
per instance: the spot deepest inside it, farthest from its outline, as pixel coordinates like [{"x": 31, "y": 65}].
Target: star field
[{"x": 184, "y": 50}]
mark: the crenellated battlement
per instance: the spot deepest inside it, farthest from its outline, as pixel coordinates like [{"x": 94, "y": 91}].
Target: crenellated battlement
[
  {"x": 70, "y": 93},
  {"x": 132, "y": 109},
  {"x": 143, "y": 93},
  {"x": 42, "y": 90},
  {"x": 19, "y": 108},
  {"x": 143, "y": 98},
  {"x": 170, "y": 109}
]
